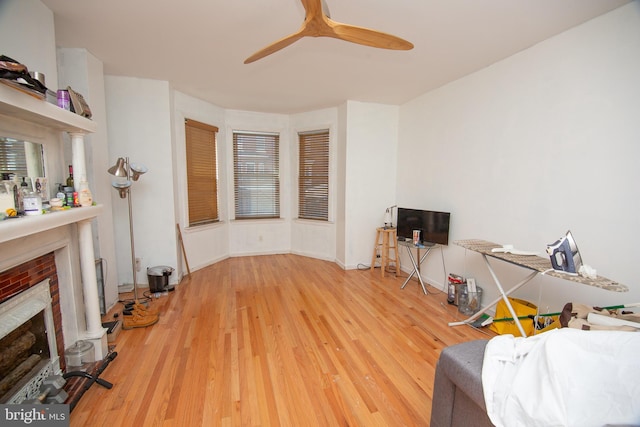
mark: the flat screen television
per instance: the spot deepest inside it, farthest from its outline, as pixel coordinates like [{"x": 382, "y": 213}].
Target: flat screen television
[{"x": 433, "y": 225}]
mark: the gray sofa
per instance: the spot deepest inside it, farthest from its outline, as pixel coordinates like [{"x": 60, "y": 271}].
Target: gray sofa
[{"x": 458, "y": 399}]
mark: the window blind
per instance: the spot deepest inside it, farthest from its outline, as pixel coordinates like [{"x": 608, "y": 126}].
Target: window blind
[
  {"x": 256, "y": 175},
  {"x": 313, "y": 175},
  {"x": 13, "y": 159},
  {"x": 202, "y": 172}
]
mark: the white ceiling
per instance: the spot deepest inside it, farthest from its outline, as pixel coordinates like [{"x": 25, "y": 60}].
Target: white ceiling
[{"x": 199, "y": 45}]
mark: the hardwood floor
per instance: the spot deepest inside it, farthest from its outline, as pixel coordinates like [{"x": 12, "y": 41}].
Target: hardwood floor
[{"x": 279, "y": 340}]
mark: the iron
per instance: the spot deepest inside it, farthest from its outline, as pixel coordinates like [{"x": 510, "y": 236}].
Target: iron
[{"x": 564, "y": 255}]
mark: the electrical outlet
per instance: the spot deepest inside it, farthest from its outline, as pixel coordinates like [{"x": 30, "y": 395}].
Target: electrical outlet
[{"x": 138, "y": 264}]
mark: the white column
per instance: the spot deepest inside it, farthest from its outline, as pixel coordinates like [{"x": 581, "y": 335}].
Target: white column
[
  {"x": 95, "y": 332},
  {"x": 78, "y": 160}
]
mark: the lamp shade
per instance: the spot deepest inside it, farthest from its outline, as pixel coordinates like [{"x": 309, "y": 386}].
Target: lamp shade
[
  {"x": 138, "y": 170},
  {"x": 122, "y": 187},
  {"x": 119, "y": 169}
]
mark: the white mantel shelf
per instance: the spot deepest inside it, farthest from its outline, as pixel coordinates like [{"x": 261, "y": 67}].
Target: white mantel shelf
[
  {"x": 17, "y": 108},
  {"x": 14, "y": 103},
  {"x": 16, "y": 228}
]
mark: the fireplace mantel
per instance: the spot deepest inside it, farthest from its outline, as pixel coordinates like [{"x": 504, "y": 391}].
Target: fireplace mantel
[
  {"x": 30, "y": 109},
  {"x": 21, "y": 111},
  {"x": 15, "y": 228}
]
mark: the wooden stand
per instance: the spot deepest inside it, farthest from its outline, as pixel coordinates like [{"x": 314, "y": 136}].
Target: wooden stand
[
  {"x": 184, "y": 253},
  {"x": 388, "y": 236}
]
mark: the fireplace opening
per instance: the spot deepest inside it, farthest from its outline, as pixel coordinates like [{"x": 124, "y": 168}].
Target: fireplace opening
[
  {"x": 28, "y": 343},
  {"x": 24, "y": 353}
]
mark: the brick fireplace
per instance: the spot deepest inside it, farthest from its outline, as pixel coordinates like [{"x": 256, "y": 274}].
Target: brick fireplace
[
  {"x": 57, "y": 247},
  {"x": 29, "y": 274}
]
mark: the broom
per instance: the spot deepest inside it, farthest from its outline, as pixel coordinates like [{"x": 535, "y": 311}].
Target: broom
[{"x": 486, "y": 320}]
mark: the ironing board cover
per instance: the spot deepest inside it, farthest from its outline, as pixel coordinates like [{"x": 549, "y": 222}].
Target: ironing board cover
[{"x": 537, "y": 263}]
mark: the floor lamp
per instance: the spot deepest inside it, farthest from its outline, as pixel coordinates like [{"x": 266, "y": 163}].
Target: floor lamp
[{"x": 125, "y": 174}]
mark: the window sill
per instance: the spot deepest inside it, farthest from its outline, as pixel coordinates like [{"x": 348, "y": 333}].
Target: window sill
[
  {"x": 203, "y": 227},
  {"x": 313, "y": 222},
  {"x": 256, "y": 220}
]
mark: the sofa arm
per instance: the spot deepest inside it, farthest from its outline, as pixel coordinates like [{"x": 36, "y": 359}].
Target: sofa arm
[{"x": 458, "y": 396}]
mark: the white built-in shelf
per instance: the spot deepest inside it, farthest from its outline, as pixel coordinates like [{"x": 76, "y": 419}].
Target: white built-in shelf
[
  {"x": 16, "y": 228},
  {"x": 19, "y": 105},
  {"x": 14, "y": 103}
]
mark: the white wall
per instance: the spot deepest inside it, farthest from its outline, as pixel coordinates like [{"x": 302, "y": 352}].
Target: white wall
[
  {"x": 369, "y": 180},
  {"x": 252, "y": 237},
  {"x": 205, "y": 244},
  {"x": 140, "y": 128},
  {"x": 315, "y": 239},
  {"x": 341, "y": 190},
  {"x": 33, "y": 45},
  {"x": 530, "y": 147},
  {"x": 208, "y": 244},
  {"x": 371, "y": 131}
]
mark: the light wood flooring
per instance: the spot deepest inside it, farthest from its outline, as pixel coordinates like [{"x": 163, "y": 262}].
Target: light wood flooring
[{"x": 280, "y": 340}]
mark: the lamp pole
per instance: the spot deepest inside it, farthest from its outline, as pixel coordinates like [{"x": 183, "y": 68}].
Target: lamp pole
[
  {"x": 139, "y": 315},
  {"x": 133, "y": 251}
]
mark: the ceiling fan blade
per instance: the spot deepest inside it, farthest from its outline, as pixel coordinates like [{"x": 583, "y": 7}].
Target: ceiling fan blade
[
  {"x": 318, "y": 24},
  {"x": 313, "y": 7},
  {"x": 325, "y": 9},
  {"x": 368, "y": 37},
  {"x": 274, "y": 47}
]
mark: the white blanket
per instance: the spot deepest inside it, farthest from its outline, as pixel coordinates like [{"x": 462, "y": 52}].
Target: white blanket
[{"x": 564, "y": 377}]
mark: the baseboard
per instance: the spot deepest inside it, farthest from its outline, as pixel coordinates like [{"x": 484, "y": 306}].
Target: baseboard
[{"x": 125, "y": 287}]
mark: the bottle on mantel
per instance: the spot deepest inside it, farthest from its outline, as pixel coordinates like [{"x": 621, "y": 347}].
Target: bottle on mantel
[
  {"x": 84, "y": 197},
  {"x": 70, "y": 177},
  {"x": 24, "y": 191}
]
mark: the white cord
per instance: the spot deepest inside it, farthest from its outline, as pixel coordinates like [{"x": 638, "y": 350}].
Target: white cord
[{"x": 444, "y": 269}]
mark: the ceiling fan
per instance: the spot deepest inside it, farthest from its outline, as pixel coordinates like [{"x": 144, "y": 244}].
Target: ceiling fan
[{"x": 317, "y": 23}]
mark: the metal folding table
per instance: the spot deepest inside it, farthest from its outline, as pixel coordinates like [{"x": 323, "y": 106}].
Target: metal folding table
[{"x": 416, "y": 261}]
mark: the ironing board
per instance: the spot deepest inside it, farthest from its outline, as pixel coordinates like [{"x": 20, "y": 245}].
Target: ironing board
[{"x": 536, "y": 264}]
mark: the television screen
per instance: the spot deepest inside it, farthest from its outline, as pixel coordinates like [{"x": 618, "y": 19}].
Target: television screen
[{"x": 433, "y": 226}]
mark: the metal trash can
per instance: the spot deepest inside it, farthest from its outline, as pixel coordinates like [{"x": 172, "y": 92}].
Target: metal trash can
[
  {"x": 469, "y": 302},
  {"x": 159, "y": 278}
]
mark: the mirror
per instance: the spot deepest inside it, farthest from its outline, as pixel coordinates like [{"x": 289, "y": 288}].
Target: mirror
[{"x": 20, "y": 159}]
